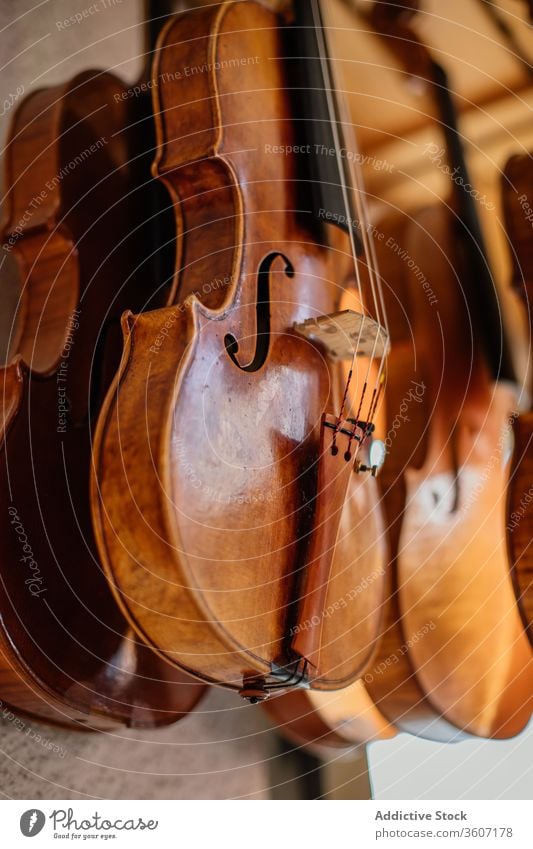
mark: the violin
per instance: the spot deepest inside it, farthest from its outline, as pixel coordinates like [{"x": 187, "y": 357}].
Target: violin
[
  {"x": 74, "y": 242},
  {"x": 517, "y": 190},
  {"x": 233, "y": 490},
  {"x": 454, "y": 659}
]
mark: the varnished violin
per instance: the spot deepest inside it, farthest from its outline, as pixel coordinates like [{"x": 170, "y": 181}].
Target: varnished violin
[
  {"x": 454, "y": 658},
  {"x": 75, "y": 237},
  {"x": 517, "y": 191},
  {"x": 233, "y": 494}
]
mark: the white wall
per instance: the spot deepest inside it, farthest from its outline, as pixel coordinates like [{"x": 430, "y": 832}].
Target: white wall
[{"x": 408, "y": 768}]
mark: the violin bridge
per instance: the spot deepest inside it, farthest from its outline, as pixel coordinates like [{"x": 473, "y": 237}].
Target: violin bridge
[{"x": 346, "y": 332}]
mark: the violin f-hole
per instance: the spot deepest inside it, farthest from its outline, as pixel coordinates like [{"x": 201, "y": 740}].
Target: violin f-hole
[{"x": 262, "y": 343}]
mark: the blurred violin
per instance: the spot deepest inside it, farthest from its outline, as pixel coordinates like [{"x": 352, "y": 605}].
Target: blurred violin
[
  {"x": 75, "y": 244},
  {"x": 454, "y": 657},
  {"x": 517, "y": 193},
  {"x": 233, "y": 493}
]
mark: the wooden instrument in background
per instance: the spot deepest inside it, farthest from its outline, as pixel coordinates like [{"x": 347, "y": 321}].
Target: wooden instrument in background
[
  {"x": 232, "y": 496},
  {"x": 454, "y": 654},
  {"x": 76, "y": 239},
  {"x": 454, "y": 657},
  {"x": 517, "y": 192}
]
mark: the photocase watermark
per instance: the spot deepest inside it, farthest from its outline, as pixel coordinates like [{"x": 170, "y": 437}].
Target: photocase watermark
[
  {"x": 402, "y": 254},
  {"x": 185, "y": 73},
  {"x": 437, "y": 155},
  {"x": 67, "y": 825},
  {"x": 35, "y": 581},
  {"x": 526, "y": 208},
  {"x": 415, "y": 394},
  {"x": 50, "y": 185},
  {"x": 88, "y": 12},
  {"x": 11, "y": 99},
  {"x": 7, "y": 714},
  {"x": 341, "y": 603},
  {"x": 65, "y": 819},
  {"x": 63, "y": 406},
  {"x": 395, "y": 656},
  {"x": 518, "y": 514},
  {"x": 170, "y": 321},
  {"x": 325, "y": 150}
]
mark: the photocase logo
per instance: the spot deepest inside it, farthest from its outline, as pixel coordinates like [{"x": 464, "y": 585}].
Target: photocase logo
[{"x": 32, "y": 822}]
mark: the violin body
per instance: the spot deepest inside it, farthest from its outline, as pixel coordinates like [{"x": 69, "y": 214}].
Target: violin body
[
  {"x": 517, "y": 189},
  {"x": 71, "y": 236},
  {"x": 454, "y": 659},
  {"x": 208, "y": 443}
]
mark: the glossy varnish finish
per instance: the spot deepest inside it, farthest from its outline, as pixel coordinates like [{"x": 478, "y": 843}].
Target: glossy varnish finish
[{"x": 207, "y": 445}]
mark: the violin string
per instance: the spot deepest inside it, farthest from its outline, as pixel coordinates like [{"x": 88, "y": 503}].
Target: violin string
[
  {"x": 362, "y": 216},
  {"x": 340, "y": 106},
  {"x": 381, "y": 313},
  {"x": 328, "y": 89},
  {"x": 359, "y": 195},
  {"x": 369, "y": 249}
]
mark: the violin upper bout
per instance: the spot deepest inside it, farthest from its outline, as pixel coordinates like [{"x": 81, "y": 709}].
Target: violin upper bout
[{"x": 184, "y": 88}]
